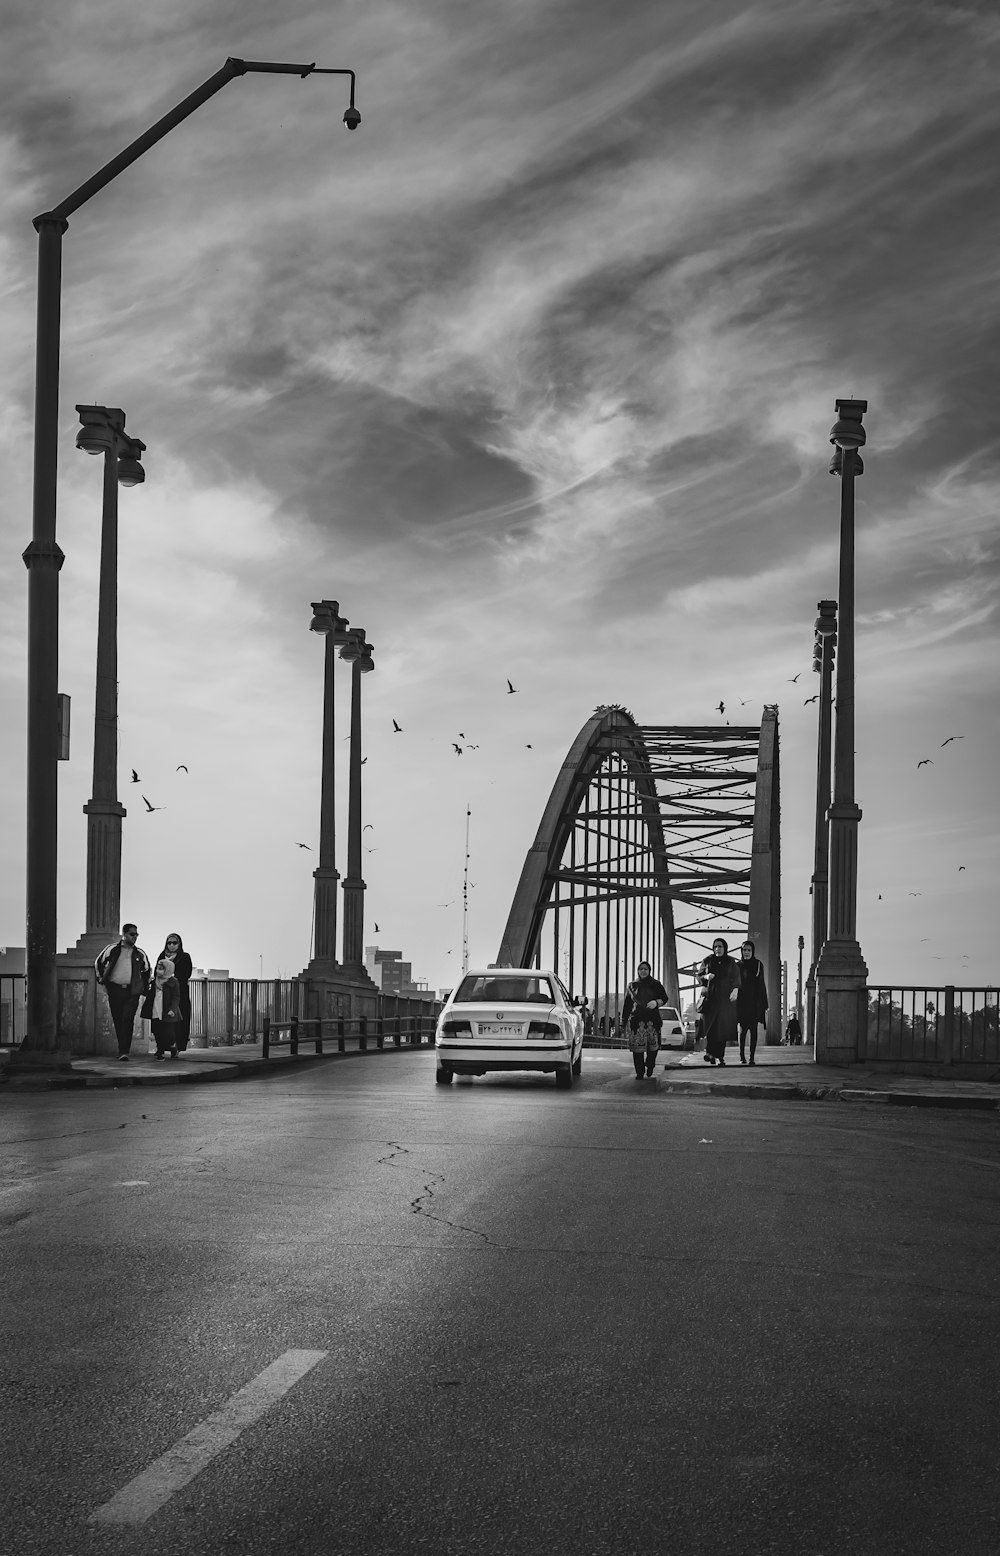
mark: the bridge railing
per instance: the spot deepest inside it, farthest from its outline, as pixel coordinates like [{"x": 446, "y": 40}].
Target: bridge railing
[
  {"x": 943, "y": 1025},
  {"x": 362, "y": 1031},
  {"x": 231, "y": 1011}
]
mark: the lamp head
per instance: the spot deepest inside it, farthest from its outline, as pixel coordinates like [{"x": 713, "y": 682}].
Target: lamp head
[
  {"x": 352, "y": 118},
  {"x": 130, "y": 472}
]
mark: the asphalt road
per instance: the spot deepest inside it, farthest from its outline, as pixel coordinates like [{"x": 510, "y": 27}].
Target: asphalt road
[{"x": 347, "y": 1311}]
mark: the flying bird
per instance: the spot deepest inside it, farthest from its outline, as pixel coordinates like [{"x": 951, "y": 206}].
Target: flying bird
[
  {"x": 927, "y": 762},
  {"x": 303, "y": 845},
  {"x": 793, "y": 678},
  {"x": 135, "y": 776},
  {"x": 511, "y": 688},
  {"x": 961, "y": 867},
  {"x": 151, "y": 807},
  {"x": 528, "y": 746},
  {"x": 371, "y": 850},
  {"x": 721, "y": 707},
  {"x": 458, "y": 748},
  {"x": 375, "y": 930},
  {"x": 363, "y": 760},
  {"x": 950, "y": 739},
  {"x": 461, "y": 734},
  {"x": 397, "y": 728},
  {"x": 471, "y": 747},
  {"x": 181, "y": 769},
  {"x": 914, "y": 893},
  {"x": 811, "y": 699},
  {"x": 367, "y": 825}
]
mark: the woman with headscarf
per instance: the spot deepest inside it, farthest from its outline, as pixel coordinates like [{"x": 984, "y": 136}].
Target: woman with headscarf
[
  {"x": 751, "y": 999},
  {"x": 162, "y": 1008},
  {"x": 173, "y": 950},
  {"x": 719, "y": 976},
  {"x": 641, "y": 1018}
]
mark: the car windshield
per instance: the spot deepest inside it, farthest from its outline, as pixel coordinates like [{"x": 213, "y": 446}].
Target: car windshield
[
  {"x": 670, "y": 1014},
  {"x": 520, "y": 989}
]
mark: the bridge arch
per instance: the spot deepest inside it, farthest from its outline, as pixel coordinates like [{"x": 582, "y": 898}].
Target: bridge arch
[{"x": 653, "y": 836}]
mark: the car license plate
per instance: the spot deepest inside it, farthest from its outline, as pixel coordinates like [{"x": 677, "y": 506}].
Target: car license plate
[{"x": 493, "y": 1029}]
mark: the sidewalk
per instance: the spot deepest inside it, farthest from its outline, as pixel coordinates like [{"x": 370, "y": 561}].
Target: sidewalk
[
  {"x": 779, "y": 1074},
  {"x": 191, "y": 1067}
]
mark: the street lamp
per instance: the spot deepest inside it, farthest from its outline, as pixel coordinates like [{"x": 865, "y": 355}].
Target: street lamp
[
  {"x": 102, "y": 431},
  {"x": 841, "y": 972},
  {"x": 358, "y": 653},
  {"x": 43, "y": 558},
  {"x": 824, "y": 649},
  {"x": 327, "y": 620}
]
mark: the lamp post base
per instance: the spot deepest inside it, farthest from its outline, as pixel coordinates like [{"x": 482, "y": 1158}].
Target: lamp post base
[{"x": 841, "y": 1003}]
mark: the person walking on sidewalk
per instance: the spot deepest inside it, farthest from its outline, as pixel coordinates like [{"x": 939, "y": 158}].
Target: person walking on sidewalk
[
  {"x": 719, "y": 977},
  {"x": 162, "y": 1008},
  {"x": 793, "y": 1031},
  {"x": 123, "y": 972},
  {"x": 641, "y": 1018},
  {"x": 751, "y": 999},
  {"x": 173, "y": 950}
]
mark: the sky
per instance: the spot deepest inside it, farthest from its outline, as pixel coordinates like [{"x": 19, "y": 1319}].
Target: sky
[{"x": 533, "y": 373}]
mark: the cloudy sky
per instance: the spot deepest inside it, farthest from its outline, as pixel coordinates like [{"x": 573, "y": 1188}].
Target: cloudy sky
[{"x": 534, "y": 373}]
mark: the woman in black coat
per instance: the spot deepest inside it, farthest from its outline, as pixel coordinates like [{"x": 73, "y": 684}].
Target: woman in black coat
[
  {"x": 719, "y": 976},
  {"x": 173, "y": 949},
  {"x": 641, "y": 1019},
  {"x": 751, "y": 999}
]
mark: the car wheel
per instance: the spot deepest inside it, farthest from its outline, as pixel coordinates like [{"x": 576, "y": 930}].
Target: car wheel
[
  {"x": 564, "y": 1077},
  {"x": 443, "y": 1076},
  {"x": 578, "y": 1066}
]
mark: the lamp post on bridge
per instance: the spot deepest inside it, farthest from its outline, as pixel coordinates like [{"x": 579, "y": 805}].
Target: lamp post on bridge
[
  {"x": 824, "y": 650},
  {"x": 841, "y": 971},
  {"x": 328, "y": 621},
  {"x": 358, "y": 653},
  {"x": 43, "y": 558},
  {"x": 103, "y": 432}
]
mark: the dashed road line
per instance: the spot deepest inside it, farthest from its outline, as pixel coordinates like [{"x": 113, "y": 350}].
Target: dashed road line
[{"x": 141, "y": 1498}]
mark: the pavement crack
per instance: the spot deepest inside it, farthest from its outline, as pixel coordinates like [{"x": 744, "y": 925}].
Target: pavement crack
[{"x": 418, "y": 1205}]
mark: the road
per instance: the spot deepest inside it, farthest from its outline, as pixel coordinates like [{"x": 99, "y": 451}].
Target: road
[{"x": 343, "y": 1310}]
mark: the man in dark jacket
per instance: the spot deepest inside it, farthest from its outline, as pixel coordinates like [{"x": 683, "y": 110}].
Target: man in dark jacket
[{"x": 123, "y": 971}]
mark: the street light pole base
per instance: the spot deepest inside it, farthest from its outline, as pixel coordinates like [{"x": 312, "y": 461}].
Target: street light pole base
[{"x": 841, "y": 1003}]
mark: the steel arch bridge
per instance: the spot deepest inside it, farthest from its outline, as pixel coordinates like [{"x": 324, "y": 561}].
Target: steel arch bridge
[{"x": 654, "y": 838}]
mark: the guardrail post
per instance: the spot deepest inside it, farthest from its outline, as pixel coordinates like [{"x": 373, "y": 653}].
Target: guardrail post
[
  {"x": 340, "y": 1035},
  {"x": 267, "y": 1037},
  {"x": 952, "y": 1033},
  {"x": 294, "y": 1035},
  {"x": 379, "y": 1032},
  {"x": 319, "y": 1034},
  {"x": 363, "y": 1034}
]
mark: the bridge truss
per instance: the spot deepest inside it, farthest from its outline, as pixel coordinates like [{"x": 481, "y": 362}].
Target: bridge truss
[{"x": 655, "y": 840}]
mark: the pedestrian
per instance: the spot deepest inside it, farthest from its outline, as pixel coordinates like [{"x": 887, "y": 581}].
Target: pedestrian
[
  {"x": 162, "y": 1008},
  {"x": 719, "y": 977},
  {"x": 751, "y": 999},
  {"x": 641, "y": 1018},
  {"x": 588, "y": 1017},
  {"x": 793, "y": 1031},
  {"x": 123, "y": 972},
  {"x": 173, "y": 949}
]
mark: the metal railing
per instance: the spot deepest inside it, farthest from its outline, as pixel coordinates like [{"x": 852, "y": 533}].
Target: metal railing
[
  {"x": 410, "y": 1030},
  {"x": 945, "y": 1025},
  {"x": 11, "y": 1008},
  {"x": 229, "y": 1011}
]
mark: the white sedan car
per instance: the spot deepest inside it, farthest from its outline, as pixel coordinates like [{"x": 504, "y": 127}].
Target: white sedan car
[{"x": 509, "y": 1018}]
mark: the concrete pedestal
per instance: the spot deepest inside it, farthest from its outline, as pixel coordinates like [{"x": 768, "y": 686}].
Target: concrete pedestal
[
  {"x": 841, "y": 1003},
  {"x": 334, "y": 991}
]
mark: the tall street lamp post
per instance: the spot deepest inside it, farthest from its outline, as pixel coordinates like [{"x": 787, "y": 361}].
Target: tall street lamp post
[
  {"x": 358, "y": 653},
  {"x": 43, "y": 559},
  {"x": 824, "y": 649},
  {"x": 327, "y": 620},
  {"x": 841, "y": 971},
  {"x": 103, "y": 432}
]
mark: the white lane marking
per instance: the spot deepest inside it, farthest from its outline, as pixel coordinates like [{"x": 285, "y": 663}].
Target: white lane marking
[
  {"x": 139, "y": 1500},
  {"x": 131, "y": 1183}
]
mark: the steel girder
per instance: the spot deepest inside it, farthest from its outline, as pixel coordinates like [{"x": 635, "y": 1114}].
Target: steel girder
[
  {"x": 608, "y": 732},
  {"x": 709, "y": 799}
]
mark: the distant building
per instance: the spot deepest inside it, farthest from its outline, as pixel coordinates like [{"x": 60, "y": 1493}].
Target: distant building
[
  {"x": 12, "y": 963},
  {"x": 392, "y": 975},
  {"x": 214, "y": 973}
]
